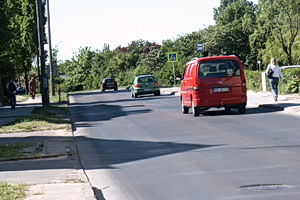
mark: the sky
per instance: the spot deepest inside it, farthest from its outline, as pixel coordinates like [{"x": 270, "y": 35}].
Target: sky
[{"x": 92, "y": 23}]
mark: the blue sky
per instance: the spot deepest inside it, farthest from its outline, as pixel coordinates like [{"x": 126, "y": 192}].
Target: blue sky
[{"x": 78, "y": 23}]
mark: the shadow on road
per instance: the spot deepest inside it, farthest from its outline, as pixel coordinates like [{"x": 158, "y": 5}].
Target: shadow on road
[{"x": 110, "y": 153}]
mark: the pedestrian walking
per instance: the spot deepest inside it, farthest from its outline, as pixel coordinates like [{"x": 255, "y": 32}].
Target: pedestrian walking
[
  {"x": 11, "y": 88},
  {"x": 32, "y": 87},
  {"x": 274, "y": 73}
]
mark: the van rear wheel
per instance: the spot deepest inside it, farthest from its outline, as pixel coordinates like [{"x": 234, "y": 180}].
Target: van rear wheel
[
  {"x": 227, "y": 109},
  {"x": 196, "y": 111},
  {"x": 242, "y": 109},
  {"x": 185, "y": 110}
]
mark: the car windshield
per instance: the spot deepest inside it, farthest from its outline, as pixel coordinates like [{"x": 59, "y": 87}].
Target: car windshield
[
  {"x": 145, "y": 79},
  {"x": 218, "y": 68},
  {"x": 108, "y": 81}
]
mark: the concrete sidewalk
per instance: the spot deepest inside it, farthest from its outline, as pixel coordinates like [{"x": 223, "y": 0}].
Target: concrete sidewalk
[
  {"x": 58, "y": 174},
  {"x": 22, "y": 108}
]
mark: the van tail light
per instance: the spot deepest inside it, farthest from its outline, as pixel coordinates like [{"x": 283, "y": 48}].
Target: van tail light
[
  {"x": 156, "y": 84},
  {"x": 244, "y": 86},
  {"x": 196, "y": 87},
  {"x": 137, "y": 85}
]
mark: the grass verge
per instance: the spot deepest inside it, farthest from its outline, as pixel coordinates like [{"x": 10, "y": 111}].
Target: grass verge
[
  {"x": 17, "y": 151},
  {"x": 43, "y": 118},
  {"x": 13, "y": 192}
]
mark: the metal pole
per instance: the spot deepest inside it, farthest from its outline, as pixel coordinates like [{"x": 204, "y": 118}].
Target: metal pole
[
  {"x": 43, "y": 78},
  {"x": 52, "y": 90},
  {"x": 174, "y": 74}
]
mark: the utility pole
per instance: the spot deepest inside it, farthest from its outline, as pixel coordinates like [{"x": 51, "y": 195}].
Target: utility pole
[
  {"x": 43, "y": 77},
  {"x": 52, "y": 89}
]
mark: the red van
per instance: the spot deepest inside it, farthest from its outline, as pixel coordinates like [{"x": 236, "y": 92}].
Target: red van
[{"x": 217, "y": 81}]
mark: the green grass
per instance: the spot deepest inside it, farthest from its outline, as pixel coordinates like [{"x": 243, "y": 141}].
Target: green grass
[
  {"x": 21, "y": 98},
  {"x": 13, "y": 192},
  {"x": 20, "y": 150},
  {"x": 42, "y": 119},
  {"x": 62, "y": 99}
]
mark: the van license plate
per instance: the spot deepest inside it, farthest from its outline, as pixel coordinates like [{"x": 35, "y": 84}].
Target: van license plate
[{"x": 225, "y": 89}]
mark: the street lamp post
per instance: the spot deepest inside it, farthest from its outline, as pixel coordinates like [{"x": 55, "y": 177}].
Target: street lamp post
[
  {"x": 52, "y": 90},
  {"x": 43, "y": 77},
  {"x": 258, "y": 62}
]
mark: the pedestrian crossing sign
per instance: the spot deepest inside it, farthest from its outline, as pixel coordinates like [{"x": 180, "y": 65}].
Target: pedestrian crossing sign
[{"x": 172, "y": 57}]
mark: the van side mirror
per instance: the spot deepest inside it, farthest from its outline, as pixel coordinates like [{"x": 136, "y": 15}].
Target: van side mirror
[{"x": 179, "y": 78}]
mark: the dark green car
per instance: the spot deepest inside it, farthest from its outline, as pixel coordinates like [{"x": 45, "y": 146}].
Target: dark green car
[{"x": 144, "y": 84}]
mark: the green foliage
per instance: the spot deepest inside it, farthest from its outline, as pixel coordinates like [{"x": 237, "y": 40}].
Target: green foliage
[
  {"x": 18, "y": 41},
  {"x": 290, "y": 84},
  {"x": 291, "y": 81},
  {"x": 277, "y": 31},
  {"x": 234, "y": 24},
  {"x": 253, "y": 80},
  {"x": 251, "y": 32}
]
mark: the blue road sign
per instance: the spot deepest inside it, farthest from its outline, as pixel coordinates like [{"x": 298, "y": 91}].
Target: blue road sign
[
  {"x": 200, "y": 47},
  {"x": 172, "y": 57}
]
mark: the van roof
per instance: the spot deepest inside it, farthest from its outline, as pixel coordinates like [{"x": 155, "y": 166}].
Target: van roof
[
  {"x": 144, "y": 75},
  {"x": 213, "y": 58}
]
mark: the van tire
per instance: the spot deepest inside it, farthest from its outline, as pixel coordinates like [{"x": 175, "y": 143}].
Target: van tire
[
  {"x": 227, "y": 109},
  {"x": 157, "y": 93},
  {"x": 185, "y": 110},
  {"x": 242, "y": 109},
  {"x": 195, "y": 110}
]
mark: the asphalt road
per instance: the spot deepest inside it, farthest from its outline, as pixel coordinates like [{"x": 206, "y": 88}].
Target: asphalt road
[{"x": 146, "y": 148}]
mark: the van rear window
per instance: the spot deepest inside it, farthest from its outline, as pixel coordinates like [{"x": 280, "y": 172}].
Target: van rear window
[{"x": 218, "y": 69}]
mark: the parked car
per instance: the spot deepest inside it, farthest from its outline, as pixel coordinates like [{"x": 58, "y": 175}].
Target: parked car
[
  {"x": 109, "y": 83},
  {"x": 145, "y": 84},
  {"x": 217, "y": 81},
  {"x": 20, "y": 90}
]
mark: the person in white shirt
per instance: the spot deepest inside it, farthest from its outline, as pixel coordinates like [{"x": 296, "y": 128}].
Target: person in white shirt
[{"x": 274, "y": 79}]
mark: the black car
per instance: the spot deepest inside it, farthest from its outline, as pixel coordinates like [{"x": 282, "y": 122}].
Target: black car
[
  {"x": 109, "y": 83},
  {"x": 20, "y": 90}
]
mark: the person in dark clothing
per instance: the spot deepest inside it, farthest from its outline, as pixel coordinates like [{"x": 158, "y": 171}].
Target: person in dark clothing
[
  {"x": 11, "y": 88},
  {"x": 32, "y": 87}
]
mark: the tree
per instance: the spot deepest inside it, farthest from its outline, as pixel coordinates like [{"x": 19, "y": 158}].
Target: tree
[
  {"x": 235, "y": 22},
  {"x": 78, "y": 71},
  {"x": 5, "y": 32},
  {"x": 278, "y": 24},
  {"x": 23, "y": 43}
]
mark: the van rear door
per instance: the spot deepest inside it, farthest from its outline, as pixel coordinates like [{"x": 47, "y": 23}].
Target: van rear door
[{"x": 220, "y": 81}]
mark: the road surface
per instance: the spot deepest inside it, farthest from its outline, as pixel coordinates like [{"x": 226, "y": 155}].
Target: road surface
[{"x": 145, "y": 148}]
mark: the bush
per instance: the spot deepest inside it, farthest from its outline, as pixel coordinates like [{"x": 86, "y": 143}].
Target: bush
[
  {"x": 291, "y": 80},
  {"x": 289, "y": 85},
  {"x": 253, "y": 80}
]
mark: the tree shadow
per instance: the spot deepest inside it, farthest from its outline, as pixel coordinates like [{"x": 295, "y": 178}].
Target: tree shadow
[
  {"x": 279, "y": 106},
  {"x": 101, "y": 112},
  {"x": 107, "y": 154},
  {"x": 97, "y": 92},
  {"x": 146, "y": 97}
]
